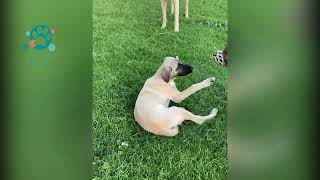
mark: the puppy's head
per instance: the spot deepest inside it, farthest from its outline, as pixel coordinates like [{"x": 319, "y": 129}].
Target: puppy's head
[{"x": 173, "y": 67}]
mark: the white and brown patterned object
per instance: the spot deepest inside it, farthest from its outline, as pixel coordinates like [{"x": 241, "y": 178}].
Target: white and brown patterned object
[{"x": 221, "y": 57}]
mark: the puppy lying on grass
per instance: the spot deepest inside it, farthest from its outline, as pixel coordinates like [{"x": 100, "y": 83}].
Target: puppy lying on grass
[{"x": 152, "y": 110}]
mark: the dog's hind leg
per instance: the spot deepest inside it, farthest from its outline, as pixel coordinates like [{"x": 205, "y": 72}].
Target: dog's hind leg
[
  {"x": 187, "y": 9},
  {"x": 195, "y": 118},
  {"x": 164, "y": 13},
  {"x": 172, "y": 7}
]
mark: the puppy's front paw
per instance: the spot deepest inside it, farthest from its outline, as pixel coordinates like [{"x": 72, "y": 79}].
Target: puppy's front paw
[
  {"x": 214, "y": 112},
  {"x": 208, "y": 82}
]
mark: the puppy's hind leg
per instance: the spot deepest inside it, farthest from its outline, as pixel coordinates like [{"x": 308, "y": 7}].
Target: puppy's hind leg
[
  {"x": 164, "y": 13},
  {"x": 195, "y": 118}
]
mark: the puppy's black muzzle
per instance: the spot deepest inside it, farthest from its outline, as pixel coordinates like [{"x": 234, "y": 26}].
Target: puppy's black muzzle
[{"x": 184, "y": 69}]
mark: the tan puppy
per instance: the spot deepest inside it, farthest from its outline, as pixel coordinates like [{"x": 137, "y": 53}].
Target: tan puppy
[
  {"x": 175, "y": 11},
  {"x": 152, "y": 109}
]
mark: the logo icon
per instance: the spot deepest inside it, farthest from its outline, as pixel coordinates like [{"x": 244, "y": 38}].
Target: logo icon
[{"x": 40, "y": 38}]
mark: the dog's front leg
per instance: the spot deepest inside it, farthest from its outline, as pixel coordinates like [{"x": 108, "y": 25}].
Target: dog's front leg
[
  {"x": 164, "y": 13},
  {"x": 172, "y": 7},
  {"x": 176, "y": 15},
  {"x": 180, "y": 96}
]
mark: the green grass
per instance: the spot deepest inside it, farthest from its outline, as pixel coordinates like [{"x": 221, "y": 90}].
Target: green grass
[{"x": 128, "y": 47}]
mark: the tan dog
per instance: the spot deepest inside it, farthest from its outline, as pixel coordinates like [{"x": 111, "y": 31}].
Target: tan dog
[
  {"x": 175, "y": 11},
  {"x": 152, "y": 109}
]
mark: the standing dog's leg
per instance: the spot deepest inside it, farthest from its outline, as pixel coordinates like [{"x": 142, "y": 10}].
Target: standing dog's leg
[
  {"x": 176, "y": 15},
  {"x": 164, "y": 13},
  {"x": 172, "y": 7},
  {"x": 187, "y": 8},
  {"x": 186, "y": 115}
]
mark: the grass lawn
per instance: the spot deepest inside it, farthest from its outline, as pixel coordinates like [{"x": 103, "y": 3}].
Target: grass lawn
[{"x": 128, "y": 47}]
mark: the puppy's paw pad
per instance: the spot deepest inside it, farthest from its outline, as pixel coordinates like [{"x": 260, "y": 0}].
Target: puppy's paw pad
[{"x": 214, "y": 111}]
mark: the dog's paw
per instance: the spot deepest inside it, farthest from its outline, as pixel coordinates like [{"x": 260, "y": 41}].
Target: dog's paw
[
  {"x": 208, "y": 82},
  {"x": 176, "y": 27},
  {"x": 164, "y": 24},
  {"x": 214, "y": 112}
]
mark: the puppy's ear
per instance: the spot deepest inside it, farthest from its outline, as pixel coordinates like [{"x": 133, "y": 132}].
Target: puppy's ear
[{"x": 165, "y": 74}]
